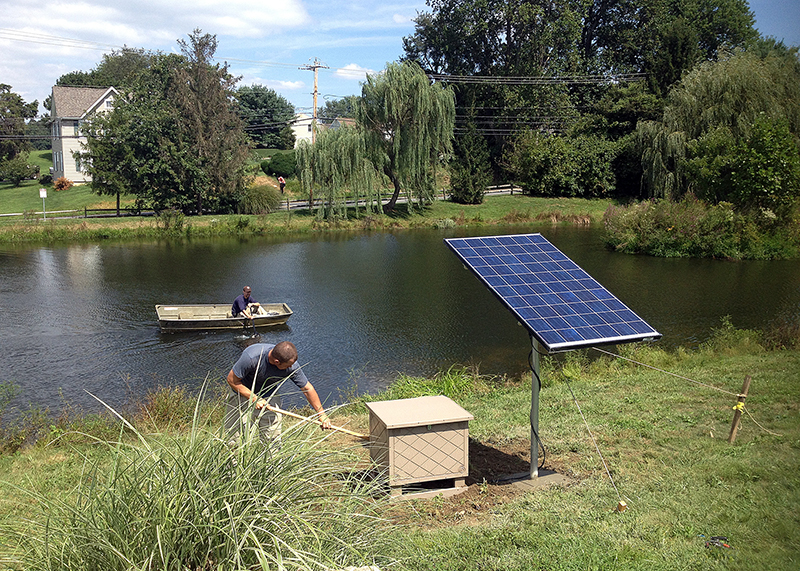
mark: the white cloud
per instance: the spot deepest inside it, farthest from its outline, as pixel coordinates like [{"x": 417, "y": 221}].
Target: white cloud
[
  {"x": 290, "y": 85},
  {"x": 75, "y": 34},
  {"x": 353, "y": 71}
]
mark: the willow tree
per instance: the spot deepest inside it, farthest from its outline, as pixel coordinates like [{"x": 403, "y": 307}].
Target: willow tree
[
  {"x": 717, "y": 108},
  {"x": 407, "y": 124},
  {"x": 337, "y": 163}
]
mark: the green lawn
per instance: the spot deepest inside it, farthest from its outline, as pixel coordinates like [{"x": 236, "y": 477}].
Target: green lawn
[
  {"x": 661, "y": 433},
  {"x": 26, "y": 196}
]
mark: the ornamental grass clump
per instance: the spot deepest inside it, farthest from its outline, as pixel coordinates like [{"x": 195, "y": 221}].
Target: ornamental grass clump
[{"x": 194, "y": 502}]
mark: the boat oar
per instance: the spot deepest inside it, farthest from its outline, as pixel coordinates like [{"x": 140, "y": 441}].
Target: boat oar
[{"x": 315, "y": 421}]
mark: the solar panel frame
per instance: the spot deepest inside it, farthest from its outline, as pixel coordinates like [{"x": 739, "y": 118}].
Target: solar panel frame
[{"x": 561, "y": 305}]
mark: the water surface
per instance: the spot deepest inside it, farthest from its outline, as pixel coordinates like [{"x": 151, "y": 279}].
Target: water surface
[{"x": 79, "y": 320}]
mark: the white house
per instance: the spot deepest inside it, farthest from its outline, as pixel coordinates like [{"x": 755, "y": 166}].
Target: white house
[
  {"x": 302, "y": 128},
  {"x": 71, "y": 106}
]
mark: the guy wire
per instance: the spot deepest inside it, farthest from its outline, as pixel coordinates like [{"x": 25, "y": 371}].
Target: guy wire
[
  {"x": 596, "y": 447},
  {"x": 666, "y": 372}
]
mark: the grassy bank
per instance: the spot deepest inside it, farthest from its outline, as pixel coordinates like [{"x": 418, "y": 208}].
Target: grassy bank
[
  {"x": 662, "y": 436},
  {"x": 441, "y": 214}
]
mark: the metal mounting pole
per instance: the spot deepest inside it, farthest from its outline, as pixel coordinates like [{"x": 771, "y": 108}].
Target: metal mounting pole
[{"x": 534, "y": 408}]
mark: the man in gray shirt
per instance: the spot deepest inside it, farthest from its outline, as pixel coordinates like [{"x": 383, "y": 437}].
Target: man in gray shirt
[{"x": 254, "y": 381}]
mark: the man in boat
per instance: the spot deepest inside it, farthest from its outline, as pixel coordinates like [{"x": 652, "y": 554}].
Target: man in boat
[
  {"x": 254, "y": 380},
  {"x": 244, "y": 305}
]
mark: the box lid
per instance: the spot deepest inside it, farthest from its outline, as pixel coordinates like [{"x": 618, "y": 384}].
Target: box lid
[{"x": 418, "y": 411}]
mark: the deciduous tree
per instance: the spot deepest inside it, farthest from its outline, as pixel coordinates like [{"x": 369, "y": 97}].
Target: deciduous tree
[
  {"x": 13, "y": 114},
  {"x": 715, "y": 113},
  {"x": 267, "y": 116},
  {"x": 407, "y": 123},
  {"x": 174, "y": 139},
  {"x": 337, "y": 164},
  {"x": 338, "y": 108}
]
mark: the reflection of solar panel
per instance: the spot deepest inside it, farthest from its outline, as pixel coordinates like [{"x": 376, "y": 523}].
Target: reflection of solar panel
[{"x": 561, "y": 305}]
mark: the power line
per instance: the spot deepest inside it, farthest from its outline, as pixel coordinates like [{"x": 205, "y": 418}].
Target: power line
[
  {"x": 39, "y": 38},
  {"x": 538, "y": 80}
]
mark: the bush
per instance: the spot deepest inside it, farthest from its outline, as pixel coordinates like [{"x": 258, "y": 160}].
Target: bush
[
  {"x": 170, "y": 221},
  {"x": 259, "y": 199},
  {"x": 693, "y": 228},
  {"x": 17, "y": 169},
  {"x": 46, "y": 179},
  {"x": 760, "y": 171},
  {"x": 559, "y": 166},
  {"x": 62, "y": 183},
  {"x": 280, "y": 164}
]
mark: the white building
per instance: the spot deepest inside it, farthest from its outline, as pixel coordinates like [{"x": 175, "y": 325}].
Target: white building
[
  {"x": 70, "y": 107},
  {"x": 302, "y": 128}
]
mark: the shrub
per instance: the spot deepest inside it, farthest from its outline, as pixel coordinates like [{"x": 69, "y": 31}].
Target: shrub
[
  {"x": 693, "y": 228},
  {"x": 280, "y": 164},
  {"x": 259, "y": 199},
  {"x": 62, "y": 183},
  {"x": 579, "y": 166},
  {"x": 171, "y": 221},
  {"x": 46, "y": 179},
  {"x": 760, "y": 171},
  {"x": 17, "y": 169}
]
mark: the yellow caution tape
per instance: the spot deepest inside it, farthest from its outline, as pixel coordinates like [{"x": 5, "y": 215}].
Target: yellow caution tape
[{"x": 739, "y": 406}]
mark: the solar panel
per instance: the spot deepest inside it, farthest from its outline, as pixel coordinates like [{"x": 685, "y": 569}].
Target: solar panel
[{"x": 556, "y": 300}]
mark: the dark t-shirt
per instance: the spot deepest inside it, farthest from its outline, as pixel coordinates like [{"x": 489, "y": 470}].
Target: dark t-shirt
[
  {"x": 240, "y": 304},
  {"x": 268, "y": 377}
]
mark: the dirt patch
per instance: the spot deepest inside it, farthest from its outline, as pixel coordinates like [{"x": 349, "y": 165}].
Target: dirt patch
[
  {"x": 486, "y": 493},
  {"x": 266, "y": 180}
]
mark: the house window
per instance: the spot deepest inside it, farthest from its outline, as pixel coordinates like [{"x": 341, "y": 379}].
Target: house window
[{"x": 109, "y": 104}]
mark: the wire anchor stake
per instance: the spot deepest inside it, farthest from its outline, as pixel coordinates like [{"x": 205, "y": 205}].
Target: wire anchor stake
[{"x": 738, "y": 408}]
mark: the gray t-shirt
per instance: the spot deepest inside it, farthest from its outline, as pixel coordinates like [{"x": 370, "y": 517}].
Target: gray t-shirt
[{"x": 268, "y": 376}]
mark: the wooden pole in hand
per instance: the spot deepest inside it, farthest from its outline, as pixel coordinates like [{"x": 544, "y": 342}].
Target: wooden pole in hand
[
  {"x": 315, "y": 421},
  {"x": 737, "y": 415}
]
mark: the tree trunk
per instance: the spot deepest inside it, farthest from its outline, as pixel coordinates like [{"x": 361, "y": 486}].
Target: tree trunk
[{"x": 388, "y": 208}]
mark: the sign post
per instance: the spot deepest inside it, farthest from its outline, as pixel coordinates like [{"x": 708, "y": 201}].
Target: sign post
[{"x": 43, "y": 194}]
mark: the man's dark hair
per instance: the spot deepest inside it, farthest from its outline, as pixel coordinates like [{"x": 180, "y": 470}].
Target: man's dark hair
[{"x": 285, "y": 352}]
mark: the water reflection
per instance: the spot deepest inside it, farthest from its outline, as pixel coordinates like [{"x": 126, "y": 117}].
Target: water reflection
[{"x": 80, "y": 320}]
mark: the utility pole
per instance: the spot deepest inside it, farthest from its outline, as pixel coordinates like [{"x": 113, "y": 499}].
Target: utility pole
[{"x": 315, "y": 67}]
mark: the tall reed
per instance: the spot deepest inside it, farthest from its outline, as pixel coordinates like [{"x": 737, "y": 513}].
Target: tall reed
[{"x": 195, "y": 502}]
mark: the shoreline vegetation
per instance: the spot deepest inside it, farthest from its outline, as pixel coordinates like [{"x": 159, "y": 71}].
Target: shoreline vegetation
[
  {"x": 119, "y": 494},
  {"x": 661, "y": 228},
  {"x": 496, "y": 210}
]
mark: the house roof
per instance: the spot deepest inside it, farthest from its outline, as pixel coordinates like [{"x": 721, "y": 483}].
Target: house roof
[
  {"x": 343, "y": 122},
  {"x": 76, "y": 102}
]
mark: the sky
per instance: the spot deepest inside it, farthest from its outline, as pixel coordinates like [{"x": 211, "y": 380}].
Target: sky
[{"x": 266, "y": 42}]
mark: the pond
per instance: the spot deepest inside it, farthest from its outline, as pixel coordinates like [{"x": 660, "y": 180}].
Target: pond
[{"x": 79, "y": 321}]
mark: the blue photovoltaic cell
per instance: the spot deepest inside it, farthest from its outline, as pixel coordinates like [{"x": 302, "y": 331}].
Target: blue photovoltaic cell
[{"x": 561, "y": 305}]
